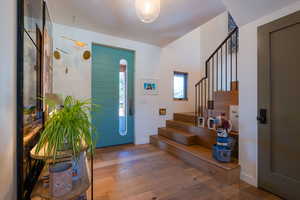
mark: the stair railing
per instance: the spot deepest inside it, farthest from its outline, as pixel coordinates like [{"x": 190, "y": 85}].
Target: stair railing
[{"x": 221, "y": 72}]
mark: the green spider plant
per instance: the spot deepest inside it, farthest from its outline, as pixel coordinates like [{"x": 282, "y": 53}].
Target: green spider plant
[{"x": 68, "y": 128}]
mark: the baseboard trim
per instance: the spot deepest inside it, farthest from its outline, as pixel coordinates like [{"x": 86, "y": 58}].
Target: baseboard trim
[{"x": 249, "y": 179}]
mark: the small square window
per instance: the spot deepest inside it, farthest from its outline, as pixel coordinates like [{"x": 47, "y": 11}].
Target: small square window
[{"x": 180, "y": 86}]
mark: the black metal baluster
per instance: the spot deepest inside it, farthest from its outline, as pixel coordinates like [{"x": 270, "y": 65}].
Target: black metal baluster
[
  {"x": 200, "y": 98},
  {"x": 205, "y": 90},
  {"x": 203, "y": 102},
  {"x": 226, "y": 73},
  {"x": 198, "y": 104},
  {"x": 222, "y": 68},
  {"x": 202, "y": 94},
  {"x": 231, "y": 63},
  {"x": 217, "y": 78},
  {"x": 236, "y": 51},
  {"x": 213, "y": 77},
  {"x": 209, "y": 79},
  {"x": 196, "y": 101}
]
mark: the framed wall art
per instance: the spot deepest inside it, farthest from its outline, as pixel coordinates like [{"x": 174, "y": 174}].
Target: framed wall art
[{"x": 150, "y": 86}]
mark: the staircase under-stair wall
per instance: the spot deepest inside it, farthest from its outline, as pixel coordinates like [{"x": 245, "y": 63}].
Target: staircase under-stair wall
[{"x": 215, "y": 94}]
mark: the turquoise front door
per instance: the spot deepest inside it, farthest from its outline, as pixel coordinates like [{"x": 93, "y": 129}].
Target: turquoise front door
[{"x": 112, "y": 90}]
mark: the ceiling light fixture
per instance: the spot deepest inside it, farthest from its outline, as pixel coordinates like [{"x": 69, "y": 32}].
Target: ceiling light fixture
[{"x": 147, "y": 10}]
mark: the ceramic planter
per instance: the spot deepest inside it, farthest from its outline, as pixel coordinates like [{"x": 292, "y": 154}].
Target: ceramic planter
[{"x": 60, "y": 179}]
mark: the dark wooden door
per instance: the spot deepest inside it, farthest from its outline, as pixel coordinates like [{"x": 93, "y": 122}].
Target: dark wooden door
[{"x": 279, "y": 106}]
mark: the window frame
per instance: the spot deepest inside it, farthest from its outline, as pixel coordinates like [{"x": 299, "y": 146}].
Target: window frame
[{"x": 185, "y": 75}]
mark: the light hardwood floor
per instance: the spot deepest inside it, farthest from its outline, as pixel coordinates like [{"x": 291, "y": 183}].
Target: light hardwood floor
[{"x": 144, "y": 172}]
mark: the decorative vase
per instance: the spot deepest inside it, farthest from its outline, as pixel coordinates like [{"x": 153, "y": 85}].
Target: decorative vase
[
  {"x": 221, "y": 150},
  {"x": 60, "y": 179},
  {"x": 211, "y": 123},
  {"x": 201, "y": 122}
]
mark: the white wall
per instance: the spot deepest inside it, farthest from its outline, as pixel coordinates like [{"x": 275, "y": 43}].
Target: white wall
[
  {"x": 182, "y": 55},
  {"x": 187, "y": 54},
  {"x": 212, "y": 34},
  {"x": 7, "y": 100},
  {"x": 78, "y": 80},
  {"x": 248, "y": 92}
]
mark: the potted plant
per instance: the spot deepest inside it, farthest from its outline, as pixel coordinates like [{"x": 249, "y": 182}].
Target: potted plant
[{"x": 68, "y": 129}]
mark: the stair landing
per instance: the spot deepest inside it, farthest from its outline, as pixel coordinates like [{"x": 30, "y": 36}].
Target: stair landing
[{"x": 201, "y": 158}]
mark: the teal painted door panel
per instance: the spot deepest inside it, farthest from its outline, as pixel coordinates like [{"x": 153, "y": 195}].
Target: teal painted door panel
[{"x": 105, "y": 93}]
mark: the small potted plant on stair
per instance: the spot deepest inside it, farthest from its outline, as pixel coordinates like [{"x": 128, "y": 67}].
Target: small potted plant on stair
[{"x": 68, "y": 133}]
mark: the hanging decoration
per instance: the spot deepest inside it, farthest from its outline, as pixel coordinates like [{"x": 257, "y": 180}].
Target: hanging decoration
[
  {"x": 86, "y": 55},
  {"x": 57, "y": 55},
  {"x": 76, "y": 42}
]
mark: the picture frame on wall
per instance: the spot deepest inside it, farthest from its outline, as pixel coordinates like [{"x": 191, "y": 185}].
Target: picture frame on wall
[
  {"x": 150, "y": 86},
  {"x": 233, "y": 46}
]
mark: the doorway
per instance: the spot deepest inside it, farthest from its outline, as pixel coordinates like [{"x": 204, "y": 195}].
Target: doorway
[
  {"x": 113, "y": 91},
  {"x": 279, "y": 108}
]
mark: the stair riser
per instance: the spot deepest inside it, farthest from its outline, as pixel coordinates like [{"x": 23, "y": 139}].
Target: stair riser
[
  {"x": 205, "y": 137},
  {"x": 184, "y": 118},
  {"x": 227, "y": 98},
  {"x": 186, "y": 140},
  {"x": 235, "y": 86},
  {"x": 224, "y": 176},
  {"x": 172, "y": 124}
]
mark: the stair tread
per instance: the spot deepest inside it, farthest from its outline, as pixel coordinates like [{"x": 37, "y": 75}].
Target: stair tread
[
  {"x": 186, "y": 113},
  {"x": 174, "y": 130},
  {"x": 192, "y": 124},
  {"x": 181, "y": 122},
  {"x": 199, "y": 152},
  {"x": 185, "y": 116}
]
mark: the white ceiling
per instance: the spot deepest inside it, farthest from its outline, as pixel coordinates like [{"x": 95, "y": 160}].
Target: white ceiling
[
  {"x": 118, "y": 17},
  {"x": 245, "y": 11}
]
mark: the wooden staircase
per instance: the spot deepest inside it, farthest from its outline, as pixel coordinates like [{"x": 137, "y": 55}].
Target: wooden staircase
[
  {"x": 193, "y": 144},
  {"x": 214, "y": 94},
  {"x": 177, "y": 135}
]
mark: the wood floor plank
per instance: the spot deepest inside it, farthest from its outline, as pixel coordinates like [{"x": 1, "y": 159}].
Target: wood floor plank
[{"x": 146, "y": 173}]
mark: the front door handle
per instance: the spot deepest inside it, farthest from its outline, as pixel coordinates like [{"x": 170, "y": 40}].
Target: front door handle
[
  {"x": 262, "y": 118},
  {"x": 131, "y": 109}
]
